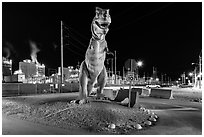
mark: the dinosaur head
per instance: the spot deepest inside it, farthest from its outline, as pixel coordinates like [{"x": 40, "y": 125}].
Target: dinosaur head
[{"x": 101, "y": 23}]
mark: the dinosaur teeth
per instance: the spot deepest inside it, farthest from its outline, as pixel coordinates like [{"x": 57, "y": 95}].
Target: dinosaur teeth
[{"x": 104, "y": 25}]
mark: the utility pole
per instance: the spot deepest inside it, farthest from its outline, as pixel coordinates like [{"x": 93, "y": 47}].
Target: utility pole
[
  {"x": 111, "y": 70},
  {"x": 123, "y": 73},
  {"x": 78, "y": 65},
  {"x": 184, "y": 78},
  {"x": 62, "y": 74},
  {"x": 195, "y": 80},
  {"x": 62, "y": 66},
  {"x": 200, "y": 69},
  {"x": 168, "y": 80},
  {"x": 115, "y": 66},
  {"x": 200, "y": 64},
  {"x": 165, "y": 79}
]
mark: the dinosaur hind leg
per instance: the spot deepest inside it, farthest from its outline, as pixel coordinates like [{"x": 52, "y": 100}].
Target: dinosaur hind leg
[
  {"x": 83, "y": 81},
  {"x": 101, "y": 82},
  {"x": 90, "y": 86}
]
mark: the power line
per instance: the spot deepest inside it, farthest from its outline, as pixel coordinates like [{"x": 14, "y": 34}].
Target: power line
[
  {"x": 76, "y": 39},
  {"x": 140, "y": 18},
  {"x": 73, "y": 51},
  {"x": 73, "y": 37},
  {"x": 125, "y": 10},
  {"x": 86, "y": 38},
  {"x": 70, "y": 28},
  {"x": 75, "y": 46}
]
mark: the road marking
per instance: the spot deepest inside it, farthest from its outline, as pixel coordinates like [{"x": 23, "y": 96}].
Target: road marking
[{"x": 176, "y": 109}]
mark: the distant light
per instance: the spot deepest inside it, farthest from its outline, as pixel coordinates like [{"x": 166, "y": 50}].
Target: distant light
[
  {"x": 200, "y": 74},
  {"x": 194, "y": 63},
  {"x": 139, "y": 63},
  {"x": 157, "y": 79},
  {"x": 190, "y": 74}
]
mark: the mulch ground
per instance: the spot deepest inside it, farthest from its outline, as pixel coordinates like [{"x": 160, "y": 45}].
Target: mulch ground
[{"x": 94, "y": 116}]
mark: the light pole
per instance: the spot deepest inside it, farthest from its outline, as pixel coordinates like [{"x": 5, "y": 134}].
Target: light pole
[
  {"x": 115, "y": 67},
  {"x": 200, "y": 66},
  {"x": 61, "y": 70},
  {"x": 139, "y": 64},
  {"x": 195, "y": 77},
  {"x": 191, "y": 75}
]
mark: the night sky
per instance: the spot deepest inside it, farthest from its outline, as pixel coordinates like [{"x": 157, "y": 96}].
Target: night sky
[{"x": 165, "y": 35}]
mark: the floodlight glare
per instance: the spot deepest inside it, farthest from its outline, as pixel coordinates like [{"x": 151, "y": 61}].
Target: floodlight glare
[
  {"x": 139, "y": 63},
  {"x": 190, "y": 74}
]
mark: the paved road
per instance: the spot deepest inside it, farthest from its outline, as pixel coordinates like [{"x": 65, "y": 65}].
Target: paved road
[
  {"x": 13, "y": 126},
  {"x": 175, "y": 117}
]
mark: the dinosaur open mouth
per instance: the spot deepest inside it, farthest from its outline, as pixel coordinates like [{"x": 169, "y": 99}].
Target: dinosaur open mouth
[{"x": 104, "y": 25}]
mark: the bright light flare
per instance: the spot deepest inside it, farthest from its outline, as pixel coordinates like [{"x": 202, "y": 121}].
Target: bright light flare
[
  {"x": 139, "y": 63},
  {"x": 190, "y": 74}
]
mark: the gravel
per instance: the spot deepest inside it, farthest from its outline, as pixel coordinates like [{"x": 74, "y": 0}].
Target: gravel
[{"x": 97, "y": 117}]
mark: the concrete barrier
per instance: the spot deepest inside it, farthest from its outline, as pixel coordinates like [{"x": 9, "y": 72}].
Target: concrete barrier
[
  {"x": 145, "y": 92},
  {"x": 110, "y": 93},
  {"x": 161, "y": 93},
  {"x": 142, "y": 91},
  {"x": 139, "y": 90},
  {"x": 124, "y": 93}
]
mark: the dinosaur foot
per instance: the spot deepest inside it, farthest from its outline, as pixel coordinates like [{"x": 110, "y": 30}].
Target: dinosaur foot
[{"x": 101, "y": 97}]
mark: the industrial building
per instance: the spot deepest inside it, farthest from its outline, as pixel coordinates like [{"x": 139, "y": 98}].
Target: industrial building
[
  {"x": 6, "y": 68},
  {"x": 28, "y": 68},
  {"x": 34, "y": 72}
]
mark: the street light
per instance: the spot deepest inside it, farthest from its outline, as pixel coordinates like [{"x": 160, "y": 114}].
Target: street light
[
  {"x": 139, "y": 63},
  {"x": 195, "y": 73},
  {"x": 190, "y": 74},
  {"x": 194, "y": 64}
]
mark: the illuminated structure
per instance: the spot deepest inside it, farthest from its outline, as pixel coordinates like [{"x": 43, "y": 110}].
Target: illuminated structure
[
  {"x": 40, "y": 70},
  {"x": 34, "y": 72},
  {"x": 18, "y": 76},
  {"x": 28, "y": 68},
  {"x": 6, "y": 67},
  {"x": 69, "y": 74}
]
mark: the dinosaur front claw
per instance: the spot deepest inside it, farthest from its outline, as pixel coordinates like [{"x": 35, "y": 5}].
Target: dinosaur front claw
[{"x": 82, "y": 101}]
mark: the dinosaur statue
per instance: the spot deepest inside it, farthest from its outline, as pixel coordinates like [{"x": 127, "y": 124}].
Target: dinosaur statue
[{"x": 92, "y": 70}]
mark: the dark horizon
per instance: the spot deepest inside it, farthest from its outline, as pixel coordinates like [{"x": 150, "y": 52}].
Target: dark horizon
[{"x": 165, "y": 35}]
